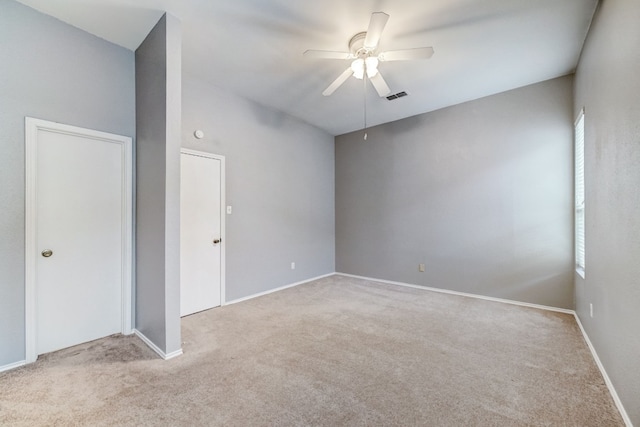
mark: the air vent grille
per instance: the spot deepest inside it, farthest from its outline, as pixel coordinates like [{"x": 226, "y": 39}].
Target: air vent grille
[{"x": 396, "y": 95}]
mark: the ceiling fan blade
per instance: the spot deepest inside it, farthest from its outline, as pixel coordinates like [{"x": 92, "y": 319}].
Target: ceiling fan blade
[
  {"x": 376, "y": 25},
  {"x": 326, "y": 54},
  {"x": 381, "y": 86},
  {"x": 338, "y": 82},
  {"x": 406, "y": 54}
]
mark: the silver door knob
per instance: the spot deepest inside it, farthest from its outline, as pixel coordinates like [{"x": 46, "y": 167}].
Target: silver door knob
[
  {"x": 216, "y": 241},
  {"x": 47, "y": 253}
]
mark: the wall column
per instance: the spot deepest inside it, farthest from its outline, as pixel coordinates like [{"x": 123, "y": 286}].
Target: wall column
[{"x": 158, "y": 125}]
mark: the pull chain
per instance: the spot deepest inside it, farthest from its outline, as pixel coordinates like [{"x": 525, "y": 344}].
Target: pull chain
[{"x": 364, "y": 84}]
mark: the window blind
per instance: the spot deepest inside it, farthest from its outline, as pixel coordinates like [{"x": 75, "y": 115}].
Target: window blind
[{"x": 579, "y": 192}]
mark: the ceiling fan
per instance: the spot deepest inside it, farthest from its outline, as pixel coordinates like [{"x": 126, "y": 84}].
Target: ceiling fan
[{"x": 365, "y": 58}]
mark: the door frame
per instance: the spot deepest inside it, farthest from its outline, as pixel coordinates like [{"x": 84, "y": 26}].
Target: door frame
[
  {"x": 223, "y": 199},
  {"x": 32, "y": 128}
]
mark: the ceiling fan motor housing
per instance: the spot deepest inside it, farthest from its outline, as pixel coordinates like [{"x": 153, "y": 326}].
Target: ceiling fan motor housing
[{"x": 356, "y": 46}]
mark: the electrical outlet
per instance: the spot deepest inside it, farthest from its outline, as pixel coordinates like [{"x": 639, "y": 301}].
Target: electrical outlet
[
  {"x": 590, "y": 309},
  {"x": 293, "y": 265},
  {"x": 421, "y": 268}
]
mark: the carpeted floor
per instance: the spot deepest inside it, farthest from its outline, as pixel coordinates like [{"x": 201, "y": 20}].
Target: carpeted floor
[{"x": 334, "y": 352}]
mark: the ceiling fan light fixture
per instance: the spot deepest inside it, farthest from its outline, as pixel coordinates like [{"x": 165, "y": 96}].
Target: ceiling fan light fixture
[
  {"x": 358, "y": 68},
  {"x": 371, "y": 65}
]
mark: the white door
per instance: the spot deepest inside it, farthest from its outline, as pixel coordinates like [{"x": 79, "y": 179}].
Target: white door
[
  {"x": 80, "y": 242},
  {"x": 201, "y": 231}
]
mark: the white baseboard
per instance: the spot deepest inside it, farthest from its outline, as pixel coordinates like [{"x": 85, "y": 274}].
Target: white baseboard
[
  {"x": 13, "y": 365},
  {"x": 270, "y": 291},
  {"x": 173, "y": 354},
  {"x": 607, "y": 380},
  {"x": 463, "y": 294},
  {"x": 155, "y": 348}
]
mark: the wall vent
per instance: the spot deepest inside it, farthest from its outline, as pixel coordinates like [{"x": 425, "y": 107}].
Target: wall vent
[{"x": 396, "y": 95}]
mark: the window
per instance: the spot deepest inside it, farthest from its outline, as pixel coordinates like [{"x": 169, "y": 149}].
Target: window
[{"x": 579, "y": 193}]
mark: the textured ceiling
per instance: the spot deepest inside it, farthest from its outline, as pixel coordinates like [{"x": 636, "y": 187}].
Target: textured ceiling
[{"x": 254, "y": 48}]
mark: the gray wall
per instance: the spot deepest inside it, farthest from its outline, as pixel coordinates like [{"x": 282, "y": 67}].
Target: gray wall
[
  {"x": 480, "y": 192},
  {"x": 607, "y": 85},
  {"x": 280, "y": 182},
  {"x": 52, "y": 71},
  {"x": 158, "y": 94}
]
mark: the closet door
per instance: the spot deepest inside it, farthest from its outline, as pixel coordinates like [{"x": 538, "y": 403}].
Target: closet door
[
  {"x": 78, "y": 235},
  {"x": 200, "y": 233}
]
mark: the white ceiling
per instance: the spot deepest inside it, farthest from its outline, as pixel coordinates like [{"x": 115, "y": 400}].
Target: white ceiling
[{"x": 254, "y": 48}]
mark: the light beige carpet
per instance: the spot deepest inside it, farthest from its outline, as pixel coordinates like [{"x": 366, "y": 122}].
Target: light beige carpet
[{"x": 335, "y": 352}]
